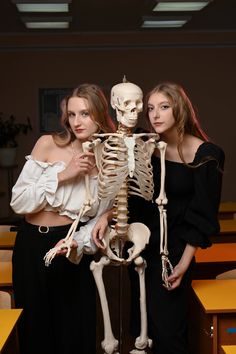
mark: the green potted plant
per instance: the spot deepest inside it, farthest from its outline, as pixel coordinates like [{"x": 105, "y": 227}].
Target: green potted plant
[{"x": 9, "y": 130}]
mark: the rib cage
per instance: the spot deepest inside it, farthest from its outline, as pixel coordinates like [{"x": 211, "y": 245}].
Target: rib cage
[
  {"x": 142, "y": 182},
  {"x": 113, "y": 171}
]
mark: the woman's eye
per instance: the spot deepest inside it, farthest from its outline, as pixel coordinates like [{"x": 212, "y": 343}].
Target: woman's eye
[
  {"x": 85, "y": 114},
  {"x": 70, "y": 114},
  {"x": 165, "y": 106}
]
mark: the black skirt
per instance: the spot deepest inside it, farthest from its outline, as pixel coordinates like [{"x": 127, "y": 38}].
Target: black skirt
[{"x": 59, "y": 301}]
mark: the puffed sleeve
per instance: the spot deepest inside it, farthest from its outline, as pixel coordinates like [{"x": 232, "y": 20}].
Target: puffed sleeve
[
  {"x": 83, "y": 237},
  {"x": 36, "y": 187},
  {"x": 201, "y": 215}
]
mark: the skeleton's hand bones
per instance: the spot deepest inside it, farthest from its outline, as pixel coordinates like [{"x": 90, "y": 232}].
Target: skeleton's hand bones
[{"x": 62, "y": 251}]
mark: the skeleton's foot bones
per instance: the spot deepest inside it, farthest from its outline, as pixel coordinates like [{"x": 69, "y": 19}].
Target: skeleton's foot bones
[{"x": 137, "y": 351}]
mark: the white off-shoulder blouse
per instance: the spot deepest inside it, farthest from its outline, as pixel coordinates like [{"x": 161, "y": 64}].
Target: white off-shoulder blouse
[{"x": 37, "y": 189}]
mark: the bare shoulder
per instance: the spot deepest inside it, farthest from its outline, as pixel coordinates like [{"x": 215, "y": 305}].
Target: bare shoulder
[
  {"x": 190, "y": 147},
  {"x": 45, "y": 140},
  {"x": 43, "y": 147},
  {"x": 195, "y": 142}
]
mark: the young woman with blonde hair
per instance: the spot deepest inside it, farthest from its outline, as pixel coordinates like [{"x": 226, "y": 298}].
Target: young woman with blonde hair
[{"x": 59, "y": 314}]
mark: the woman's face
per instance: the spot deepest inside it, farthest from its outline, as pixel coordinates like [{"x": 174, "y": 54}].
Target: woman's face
[
  {"x": 160, "y": 113},
  {"x": 80, "y": 119}
]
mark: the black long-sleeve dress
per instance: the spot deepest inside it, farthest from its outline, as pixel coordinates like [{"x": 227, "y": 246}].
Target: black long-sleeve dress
[{"x": 192, "y": 215}]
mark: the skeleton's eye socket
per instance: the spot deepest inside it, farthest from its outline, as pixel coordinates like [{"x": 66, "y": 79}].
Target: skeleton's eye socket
[
  {"x": 120, "y": 111},
  {"x": 126, "y": 103}
]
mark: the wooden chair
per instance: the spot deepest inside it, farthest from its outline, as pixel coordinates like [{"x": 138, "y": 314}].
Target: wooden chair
[
  {"x": 5, "y": 300},
  {"x": 227, "y": 210},
  {"x": 4, "y": 228},
  {"x": 7, "y": 239},
  {"x": 230, "y": 274},
  {"x": 5, "y": 255},
  {"x": 6, "y": 289}
]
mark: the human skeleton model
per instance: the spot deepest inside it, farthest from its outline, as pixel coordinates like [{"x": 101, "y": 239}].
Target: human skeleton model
[{"x": 124, "y": 163}]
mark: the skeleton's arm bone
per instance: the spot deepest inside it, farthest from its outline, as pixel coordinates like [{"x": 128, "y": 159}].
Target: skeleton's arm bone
[
  {"x": 106, "y": 134},
  {"x": 162, "y": 199},
  {"x": 84, "y": 238},
  {"x": 140, "y": 135}
]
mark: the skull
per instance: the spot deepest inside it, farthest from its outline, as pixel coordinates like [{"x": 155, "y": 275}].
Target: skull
[{"x": 126, "y": 99}]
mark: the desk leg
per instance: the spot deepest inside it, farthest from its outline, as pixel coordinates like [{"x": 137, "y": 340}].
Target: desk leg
[
  {"x": 10, "y": 185},
  {"x": 215, "y": 334}
]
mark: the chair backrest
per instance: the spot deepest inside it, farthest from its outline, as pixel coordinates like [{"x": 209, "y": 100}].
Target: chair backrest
[
  {"x": 5, "y": 228},
  {"x": 230, "y": 274},
  {"x": 5, "y": 300},
  {"x": 5, "y": 255}
]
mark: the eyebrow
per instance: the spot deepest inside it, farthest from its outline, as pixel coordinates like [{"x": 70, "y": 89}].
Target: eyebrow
[
  {"x": 80, "y": 111},
  {"x": 164, "y": 102},
  {"x": 150, "y": 104}
]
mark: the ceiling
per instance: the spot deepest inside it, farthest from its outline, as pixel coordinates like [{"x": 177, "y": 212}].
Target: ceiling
[{"x": 122, "y": 15}]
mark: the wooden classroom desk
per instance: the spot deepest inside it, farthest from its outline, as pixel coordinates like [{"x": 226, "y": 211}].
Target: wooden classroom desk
[
  {"x": 229, "y": 349},
  {"x": 228, "y": 226},
  {"x": 5, "y": 274},
  {"x": 8, "y": 338},
  {"x": 214, "y": 260},
  {"x": 227, "y": 210},
  {"x": 227, "y": 231},
  {"x": 7, "y": 239},
  {"x": 213, "y": 315}
]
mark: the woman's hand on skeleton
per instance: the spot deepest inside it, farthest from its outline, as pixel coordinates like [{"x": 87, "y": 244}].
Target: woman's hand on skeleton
[
  {"x": 63, "y": 250},
  {"x": 80, "y": 164},
  {"x": 99, "y": 230},
  {"x": 175, "y": 278}
]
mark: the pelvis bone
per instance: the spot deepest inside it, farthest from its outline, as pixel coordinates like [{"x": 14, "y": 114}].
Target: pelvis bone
[{"x": 137, "y": 233}]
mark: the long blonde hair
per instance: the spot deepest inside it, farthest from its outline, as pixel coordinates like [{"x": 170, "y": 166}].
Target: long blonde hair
[{"x": 98, "y": 108}]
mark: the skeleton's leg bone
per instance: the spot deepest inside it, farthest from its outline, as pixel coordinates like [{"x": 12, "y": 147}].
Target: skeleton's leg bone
[
  {"x": 109, "y": 344},
  {"x": 142, "y": 342},
  {"x": 138, "y": 234}
]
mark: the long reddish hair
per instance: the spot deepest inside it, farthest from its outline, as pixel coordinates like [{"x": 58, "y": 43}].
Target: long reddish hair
[{"x": 183, "y": 112}]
